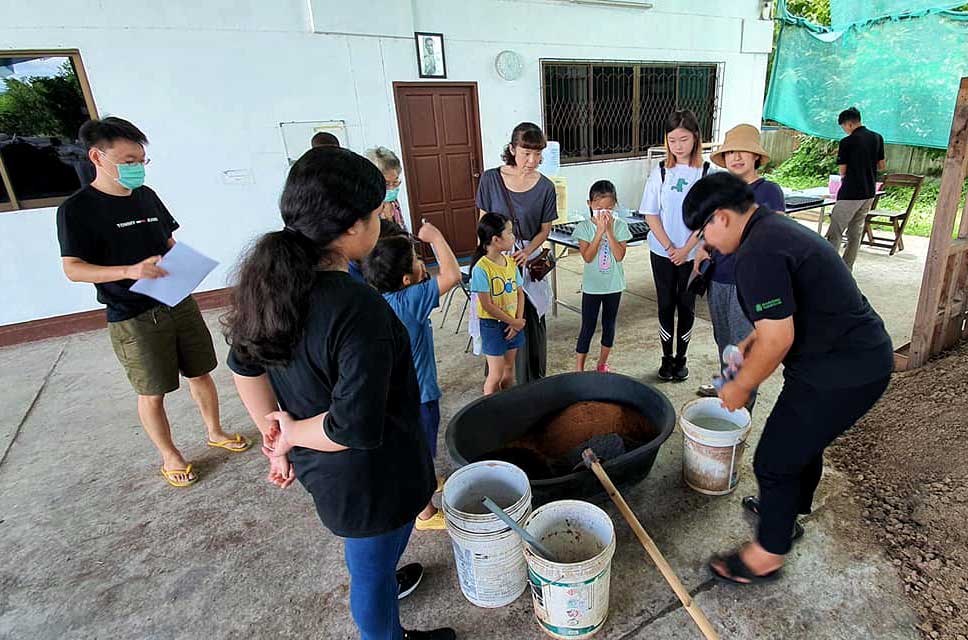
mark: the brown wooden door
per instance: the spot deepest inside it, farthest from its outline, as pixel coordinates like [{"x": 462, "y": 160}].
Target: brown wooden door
[{"x": 440, "y": 136}]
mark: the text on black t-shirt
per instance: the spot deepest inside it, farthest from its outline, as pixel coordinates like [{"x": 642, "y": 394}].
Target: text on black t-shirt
[{"x": 112, "y": 231}]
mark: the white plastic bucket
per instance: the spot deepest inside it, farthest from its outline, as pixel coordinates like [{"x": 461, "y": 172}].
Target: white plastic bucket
[
  {"x": 711, "y": 458},
  {"x": 571, "y": 595},
  {"x": 489, "y": 556}
]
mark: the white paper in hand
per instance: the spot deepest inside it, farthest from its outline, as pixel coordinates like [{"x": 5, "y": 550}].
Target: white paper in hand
[{"x": 186, "y": 269}]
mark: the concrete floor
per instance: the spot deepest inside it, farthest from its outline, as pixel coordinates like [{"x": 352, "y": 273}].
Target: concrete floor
[{"x": 96, "y": 545}]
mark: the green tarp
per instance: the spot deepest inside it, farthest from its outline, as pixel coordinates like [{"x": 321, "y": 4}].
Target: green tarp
[
  {"x": 844, "y": 13},
  {"x": 902, "y": 73}
]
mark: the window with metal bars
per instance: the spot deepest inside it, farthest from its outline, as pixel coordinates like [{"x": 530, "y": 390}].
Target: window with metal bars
[{"x": 611, "y": 110}]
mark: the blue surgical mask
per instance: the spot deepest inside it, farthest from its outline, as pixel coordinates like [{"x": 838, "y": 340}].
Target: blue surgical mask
[{"x": 392, "y": 194}]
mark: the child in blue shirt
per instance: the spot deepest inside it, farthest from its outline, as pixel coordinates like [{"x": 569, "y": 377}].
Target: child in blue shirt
[{"x": 394, "y": 269}]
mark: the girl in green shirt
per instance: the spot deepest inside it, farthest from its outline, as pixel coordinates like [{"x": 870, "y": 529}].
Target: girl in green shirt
[{"x": 602, "y": 240}]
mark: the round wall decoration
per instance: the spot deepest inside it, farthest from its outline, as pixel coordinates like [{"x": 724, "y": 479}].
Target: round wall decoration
[{"x": 509, "y": 65}]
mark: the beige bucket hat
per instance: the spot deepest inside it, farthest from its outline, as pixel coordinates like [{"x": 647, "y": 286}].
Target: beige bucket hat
[{"x": 743, "y": 137}]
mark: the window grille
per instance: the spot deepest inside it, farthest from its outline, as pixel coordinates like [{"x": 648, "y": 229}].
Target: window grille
[{"x": 611, "y": 110}]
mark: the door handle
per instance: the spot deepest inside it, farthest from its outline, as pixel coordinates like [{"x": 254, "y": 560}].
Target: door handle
[{"x": 476, "y": 175}]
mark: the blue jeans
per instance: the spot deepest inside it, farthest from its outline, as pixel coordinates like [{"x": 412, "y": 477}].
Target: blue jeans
[
  {"x": 372, "y": 563},
  {"x": 430, "y": 421},
  {"x": 493, "y": 342}
]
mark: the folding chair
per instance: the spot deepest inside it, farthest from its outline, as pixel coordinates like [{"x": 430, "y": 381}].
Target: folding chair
[
  {"x": 893, "y": 221},
  {"x": 465, "y": 288}
]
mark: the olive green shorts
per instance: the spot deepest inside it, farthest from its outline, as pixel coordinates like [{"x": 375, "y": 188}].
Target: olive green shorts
[{"x": 154, "y": 346}]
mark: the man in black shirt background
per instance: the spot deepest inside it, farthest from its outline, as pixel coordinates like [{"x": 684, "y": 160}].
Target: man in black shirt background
[
  {"x": 859, "y": 157},
  {"x": 113, "y": 232},
  {"x": 809, "y": 315}
]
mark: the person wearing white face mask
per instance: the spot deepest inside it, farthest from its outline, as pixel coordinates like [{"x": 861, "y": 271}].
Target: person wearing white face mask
[
  {"x": 519, "y": 191},
  {"x": 602, "y": 240},
  {"x": 112, "y": 233}
]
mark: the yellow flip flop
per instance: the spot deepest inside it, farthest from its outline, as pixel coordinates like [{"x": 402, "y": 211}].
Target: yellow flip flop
[
  {"x": 435, "y": 522},
  {"x": 169, "y": 473},
  {"x": 224, "y": 444}
]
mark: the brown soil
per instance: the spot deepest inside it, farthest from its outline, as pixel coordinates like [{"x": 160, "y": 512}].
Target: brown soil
[
  {"x": 581, "y": 421},
  {"x": 542, "y": 452},
  {"x": 907, "y": 461}
]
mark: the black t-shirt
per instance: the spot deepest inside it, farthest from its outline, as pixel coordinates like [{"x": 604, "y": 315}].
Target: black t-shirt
[
  {"x": 112, "y": 231},
  {"x": 784, "y": 269},
  {"x": 354, "y": 362},
  {"x": 860, "y": 151}
]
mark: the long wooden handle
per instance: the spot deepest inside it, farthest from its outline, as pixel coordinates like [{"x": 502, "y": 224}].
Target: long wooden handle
[{"x": 664, "y": 568}]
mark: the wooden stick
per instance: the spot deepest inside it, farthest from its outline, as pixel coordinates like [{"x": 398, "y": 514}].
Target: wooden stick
[{"x": 591, "y": 461}]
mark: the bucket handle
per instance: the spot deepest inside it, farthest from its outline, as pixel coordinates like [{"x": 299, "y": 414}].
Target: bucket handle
[{"x": 732, "y": 465}]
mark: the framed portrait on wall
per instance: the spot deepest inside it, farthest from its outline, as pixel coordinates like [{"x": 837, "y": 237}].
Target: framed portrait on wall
[{"x": 431, "y": 62}]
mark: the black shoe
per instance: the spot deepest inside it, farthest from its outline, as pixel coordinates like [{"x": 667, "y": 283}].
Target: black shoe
[
  {"x": 665, "y": 371},
  {"x": 437, "y": 634},
  {"x": 408, "y": 578},
  {"x": 752, "y": 505},
  {"x": 680, "y": 372}
]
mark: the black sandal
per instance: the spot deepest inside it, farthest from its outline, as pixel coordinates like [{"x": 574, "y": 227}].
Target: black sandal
[
  {"x": 752, "y": 505},
  {"x": 738, "y": 569}
]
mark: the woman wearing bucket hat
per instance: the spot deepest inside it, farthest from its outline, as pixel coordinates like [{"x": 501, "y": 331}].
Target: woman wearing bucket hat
[{"x": 742, "y": 154}]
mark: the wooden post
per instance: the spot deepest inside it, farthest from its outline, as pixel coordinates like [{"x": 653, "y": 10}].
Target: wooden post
[{"x": 934, "y": 304}]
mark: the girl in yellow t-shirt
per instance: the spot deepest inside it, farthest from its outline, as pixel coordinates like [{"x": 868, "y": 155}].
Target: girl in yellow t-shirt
[{"x": 500, "y": 300}]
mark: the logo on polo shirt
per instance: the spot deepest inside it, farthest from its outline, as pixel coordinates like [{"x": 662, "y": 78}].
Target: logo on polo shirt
[
  {"x": 679, "y": 185},
  {"x": 769, "y": 304}
]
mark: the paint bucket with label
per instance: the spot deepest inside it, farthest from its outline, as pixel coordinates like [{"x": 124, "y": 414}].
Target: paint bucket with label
[
  {"x": 714, "y": 441},
  {"x": 570, "y": 593},
  {"x": 490, "y": 561}
]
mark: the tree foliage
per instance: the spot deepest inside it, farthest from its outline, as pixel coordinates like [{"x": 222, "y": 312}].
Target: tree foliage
[{"x": 43, "y": 105}]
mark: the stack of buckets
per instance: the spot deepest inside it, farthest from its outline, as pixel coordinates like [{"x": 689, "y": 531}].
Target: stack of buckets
[{"x": 494, "y": 566}]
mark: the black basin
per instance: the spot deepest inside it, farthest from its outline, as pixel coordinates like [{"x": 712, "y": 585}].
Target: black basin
[{"x": 492, "y": 423}]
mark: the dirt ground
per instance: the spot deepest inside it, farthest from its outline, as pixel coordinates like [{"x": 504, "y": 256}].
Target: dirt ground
[{"x": 907, "y": 462}]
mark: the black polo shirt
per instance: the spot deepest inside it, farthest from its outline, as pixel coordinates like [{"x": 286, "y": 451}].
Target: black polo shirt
[
  {"x": 354, "y": 362},
  {"x": 860, "y": 151},
  {"x": 784, "y": 269}
]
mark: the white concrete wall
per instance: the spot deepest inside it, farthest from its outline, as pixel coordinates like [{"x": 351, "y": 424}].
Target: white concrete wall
[{"x": 210, "y": 84}]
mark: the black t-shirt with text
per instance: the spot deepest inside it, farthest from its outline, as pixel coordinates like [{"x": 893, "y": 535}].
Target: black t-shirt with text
[
  {"x": 784, "y": 269},
  {"x": 354, "y": 361},
  {"x": 860, "y": 151},
  {"x": 112, "y": 231}
]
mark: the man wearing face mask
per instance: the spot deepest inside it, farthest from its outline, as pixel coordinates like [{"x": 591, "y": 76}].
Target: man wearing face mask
[
  {"x": 809, "y": 315},
  {"x": 112, "y": 233}
]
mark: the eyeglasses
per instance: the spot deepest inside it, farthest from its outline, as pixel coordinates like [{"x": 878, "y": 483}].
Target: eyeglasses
[
  {"x": 146, "y": 161},
  {"x": 702, "y": 229},
  {"x": 393, "y": 185}
]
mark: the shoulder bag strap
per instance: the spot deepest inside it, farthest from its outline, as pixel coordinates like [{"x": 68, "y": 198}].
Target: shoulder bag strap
[{"x": 510, "y": 204}]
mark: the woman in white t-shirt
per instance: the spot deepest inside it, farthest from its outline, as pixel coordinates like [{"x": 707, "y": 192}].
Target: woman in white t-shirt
[{"x": 672, "y": 244}]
